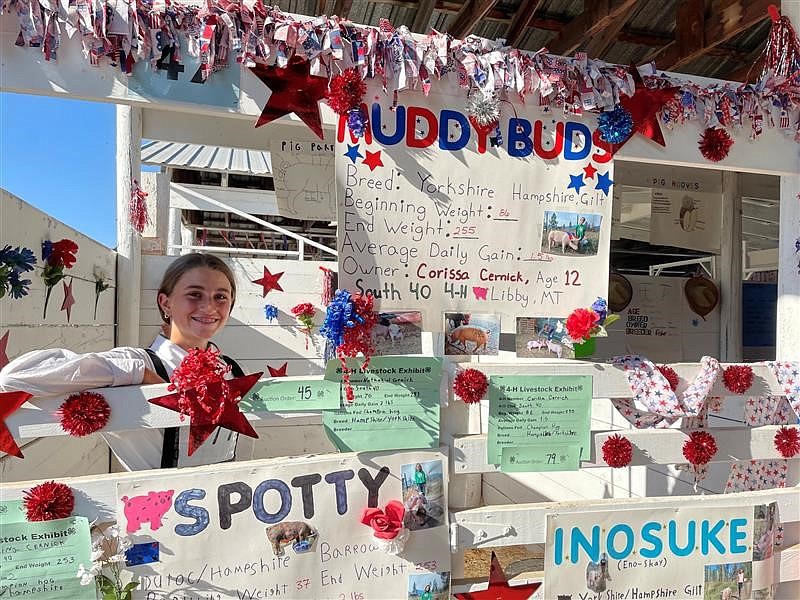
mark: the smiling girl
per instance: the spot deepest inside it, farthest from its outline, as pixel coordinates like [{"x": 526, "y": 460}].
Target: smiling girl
[{"x": 195, "y": 299}]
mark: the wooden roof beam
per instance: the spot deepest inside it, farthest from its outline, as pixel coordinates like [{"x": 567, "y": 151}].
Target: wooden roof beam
[
  {"x": 600, "y": 44},
  {"x": 730, "y": 17},
  {"x": 596, "y": 17},
  {"x": 521, "y": 20},
  {"x": 471, "y": 13},
  {"x": 342, "y": 8},
  {"x": 422, "y": 19}
]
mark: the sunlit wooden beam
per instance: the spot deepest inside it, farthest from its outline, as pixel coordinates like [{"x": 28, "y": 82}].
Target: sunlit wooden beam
[
  {"x": 521, "y": 20},
  {"x": 595, "y": 18},
  {"x": 469, "y": 16}
]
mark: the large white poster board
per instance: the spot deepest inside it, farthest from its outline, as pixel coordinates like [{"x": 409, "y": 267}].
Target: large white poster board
[
  {"x": 441, "y": 215},
  {"x": 289, "y": 528},
  {"x": 666, "y": 553}
]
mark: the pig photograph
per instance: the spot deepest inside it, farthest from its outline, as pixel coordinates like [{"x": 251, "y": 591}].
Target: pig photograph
[{"x": 468, "y": 334}]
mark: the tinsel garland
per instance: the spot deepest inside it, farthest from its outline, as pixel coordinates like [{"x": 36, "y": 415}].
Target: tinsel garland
[
  {"x": 700, "y": 448},
  {"x": 715, "y": 143},
  {"x": 48, "y": 501},
  {"x": 615, "y": 126},
  {"x": 197, "y": 372},
  {"x": 345, "y": 91},
  {"x": 787, "y": 441},
  {"x": 84, "y": 413},
  {"x": 738, "y": 378},
  {"x": 670, "y": 375},
  {"x": 617, "y": 451},
  {"x": 470, "y": 385}
]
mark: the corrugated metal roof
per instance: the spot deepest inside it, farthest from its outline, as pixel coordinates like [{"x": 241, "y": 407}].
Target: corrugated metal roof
[{"x": 207, "y": 158}]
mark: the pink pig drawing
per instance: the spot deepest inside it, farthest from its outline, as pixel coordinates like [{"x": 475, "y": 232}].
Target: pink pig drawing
[{"x": 147, "y": 509}]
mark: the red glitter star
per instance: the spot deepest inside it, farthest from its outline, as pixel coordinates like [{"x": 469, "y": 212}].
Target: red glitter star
[
  {"x": 644, "y": 106},
  {"x": 373, "y": 160},
  {"x": 269, "y": 282},
  {"x": 294, "y": 90},
  {"x": 499, "y": 588},
  {"x": 279, "y": 372}
]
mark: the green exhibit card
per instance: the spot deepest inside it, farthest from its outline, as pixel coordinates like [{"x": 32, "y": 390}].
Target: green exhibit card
[
  {"x": 11, "y": 511},
  {"x": 40, "y": 559},
  {"x": 539, "y": 423},
  {"x": 292, "y": 394},
  {"x": 396, "y": 405}
]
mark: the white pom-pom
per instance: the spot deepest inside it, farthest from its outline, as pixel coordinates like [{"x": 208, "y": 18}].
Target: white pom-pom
[
  {"x": 394, "y": 546},
  {"x": 483, "y": 107}
]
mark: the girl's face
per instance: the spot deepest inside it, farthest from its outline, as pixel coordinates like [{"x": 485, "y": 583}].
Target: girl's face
[{"x": 198, "y": 307}]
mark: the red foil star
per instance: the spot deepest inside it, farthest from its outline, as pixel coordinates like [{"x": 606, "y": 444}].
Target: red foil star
[
  {"x": 202, "y": 425},
  {"x": 373, "y": 160},
  {"x": 279, "y": 372},
  {"x": 9, "y": 403},
  {"x": 269, "y": 282},
  {"x": 294, "y": 90},
  {"x": 644, "y": 107},
  {"x": 69, "y": 299},
  {"x": 499, "y": 588}
]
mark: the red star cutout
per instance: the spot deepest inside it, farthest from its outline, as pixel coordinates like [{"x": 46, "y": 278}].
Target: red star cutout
[
  {"x": 644, "y": 106},
  {"x": 202, "y": 425},
  {"x": 269, "y": 282},
  {"x": 279, "y": 372},
  {"x": 294, "y": 90},
  {"x": 69, "y": 299},
  {"x": 373, "y": 160},
  {"x": 499, "y": 588},
  {"x": 589, "y": 171},
  {"x": 9, "y": 403},
  {"x": 3, "y": 348}
]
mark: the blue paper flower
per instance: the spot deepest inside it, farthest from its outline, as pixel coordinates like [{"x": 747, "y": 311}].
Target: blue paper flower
[
  {"x": 14, "y": 262},
  {"x": 600, "y": 306},
  {"x": 270, "y": 312}
]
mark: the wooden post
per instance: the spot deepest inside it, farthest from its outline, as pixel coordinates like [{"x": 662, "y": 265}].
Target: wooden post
[
  {"x": 730, "y": 275},
  {"x": 788, "y": 330},
  {"x": 129, "y": 262}
]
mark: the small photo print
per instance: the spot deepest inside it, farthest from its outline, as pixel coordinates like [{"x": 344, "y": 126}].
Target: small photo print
[
  {"x": 570, "y": 233},
  {"x": 398, "y": 333},
  {"x": 469, "y": 334},
  {"x": 729, "y": 581},
  {"x": 543, "y": 337},
  {"x": 765, "y": 519},
  {"x": 429, "y": 586},
  {"x": 423, "y": 495}
]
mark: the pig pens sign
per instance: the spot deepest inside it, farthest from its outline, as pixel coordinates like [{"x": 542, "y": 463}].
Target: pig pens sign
[
  {"x": 288, "y": 528},
  {"x": 439, "y": 214}
]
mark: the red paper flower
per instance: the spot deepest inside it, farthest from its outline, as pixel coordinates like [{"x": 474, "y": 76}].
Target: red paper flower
[
  {"x": 715, "y": 143},
  {"x": 700, "y": 448},
  {"x": 387, "y": 523},
  {"x": 470, "y": 385},
  {"x": 197, "y": 372},
  {"x": 48, "y": 501},
  {"x": 580, "y": 323},
  {"x": 63, "y": 252},
  {"x": 670, "y": 375},
  {"x": 617, "y": 451},
  {"x": 346, "y": 91},
  {"x": 84, "y": 413},
  {"x": 787, "y": 441},
  {"x": 738, "y": 378}
]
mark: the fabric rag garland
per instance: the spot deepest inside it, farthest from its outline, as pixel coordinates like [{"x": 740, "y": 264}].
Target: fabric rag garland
[
  {"x": 13, "y": 263},
  {"x": 84, "y": 413},
  {"x": 57, "y": 256},
  {"x": 48, "y": 501}
]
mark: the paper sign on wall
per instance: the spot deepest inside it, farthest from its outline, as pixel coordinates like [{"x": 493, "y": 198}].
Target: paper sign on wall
[
  {"x": 674, "y": 552},
  {"x": 291, "y": 394},
  {"x": 539, "y": 423},
  {"x": 686, "y": 219},
  {"x": 396, "y": 405},
  {"x": 437, "y": 214},
  {"x": 289, "y": 527},
  {"x": 11, "y": 511},
  {"x": 303, "y": 174},
  {"x": 40, "y": 559}
]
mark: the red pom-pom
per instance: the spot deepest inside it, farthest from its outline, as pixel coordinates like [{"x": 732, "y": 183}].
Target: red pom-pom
[
  {"x": 787, "y": 441},
  {"x": 48, "y": 501},
  {"x": 470, "y": 385},
  {"x": 580, "y": 323},
  {"x": 700, "y": 448},
  {"x": 738, "y": 378},
  {"x": 346, "y": 91},
  {"x": 199, "y": 370},
  {"x": 715, "y": 143},
  {"x": 670, "y": 375},
  {"x": 617, "y": 451},
  {"x": 84, "y": 413}
]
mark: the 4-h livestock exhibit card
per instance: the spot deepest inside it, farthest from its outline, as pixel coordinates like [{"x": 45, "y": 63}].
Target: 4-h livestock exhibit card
[{"x": 290, "y": 528}]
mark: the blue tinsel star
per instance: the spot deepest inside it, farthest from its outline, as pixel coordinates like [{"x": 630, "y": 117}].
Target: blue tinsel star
[
  {"x": 603, "y": 183},
  {"x": 352, "y": 153},
  {"x": 576, "y": 183}
]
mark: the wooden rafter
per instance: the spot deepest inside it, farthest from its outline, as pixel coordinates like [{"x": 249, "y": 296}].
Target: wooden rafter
[
  {"x": 600, "y": 44},
  {"x": 342, "y": 8},
  {"x": 730, "y": 17},
  {"x": 469, "y": 16},
  {"x": 521, "y": 20},
  {"x": 423, "y": 17},
  {"x": 595, "y": 18},
  {"x": 750, "y": 68}
]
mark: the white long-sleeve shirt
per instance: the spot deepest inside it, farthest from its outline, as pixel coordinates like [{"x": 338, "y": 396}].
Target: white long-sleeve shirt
[{"x": 58, "y": 372}]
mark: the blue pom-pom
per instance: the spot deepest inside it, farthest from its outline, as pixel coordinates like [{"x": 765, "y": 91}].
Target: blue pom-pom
[
  {"x": 615, "y": 125},
  {"x": 270, "y": 312},
  {"x": 357, "y": 122}
]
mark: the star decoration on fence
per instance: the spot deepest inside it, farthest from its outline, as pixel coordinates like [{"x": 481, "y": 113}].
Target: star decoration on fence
[
  {"x": 499, "y": 588},
  {"x": 69, "y": 299},
  {"x": 279, "y": 372},
  {"x": 269, "y": 282},
  {"x": 294, "y": 90},
  {"x": 9, "y": 403},
  {"x": 202, "y": 425}
]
